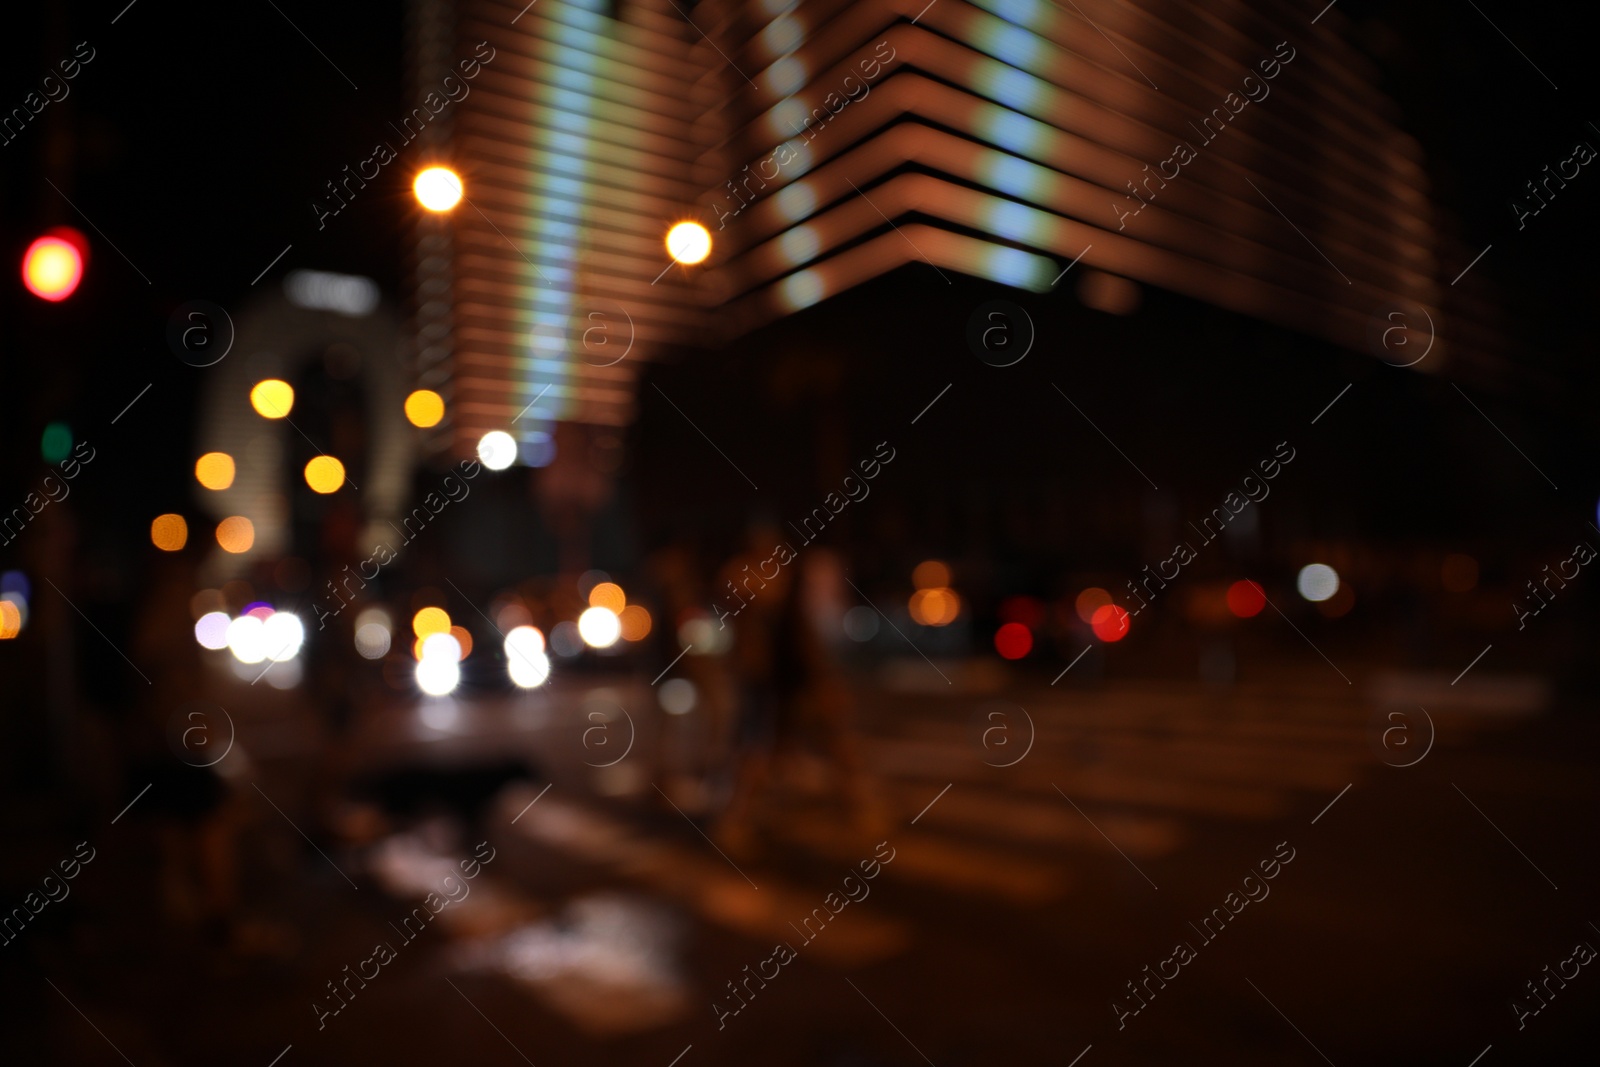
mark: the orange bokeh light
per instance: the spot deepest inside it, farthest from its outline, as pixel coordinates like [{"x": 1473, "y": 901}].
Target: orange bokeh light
[
  {"x": 931, "y": 574},
  {"x": 424, "y": 408},
  {"x": 324, "y": 474},
  {"x": 214, "y": 470},
  {"x": 169, "y": 533},
  {"x": 430, "y": 621},
  {"x": 608, "y": 595},
  {"x": 635, "y": 622},
  {"x": 236, "y": 534},
  {"x": 935, "y": 607}
]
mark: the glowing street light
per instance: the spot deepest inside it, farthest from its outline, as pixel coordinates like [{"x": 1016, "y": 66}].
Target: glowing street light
[
  {"x": 438, "y": 188},
  {"x": 689, "y": 243}
]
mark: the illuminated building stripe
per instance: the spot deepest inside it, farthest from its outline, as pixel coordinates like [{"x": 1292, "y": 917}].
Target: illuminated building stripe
[{"x": 1022, "y": 125}]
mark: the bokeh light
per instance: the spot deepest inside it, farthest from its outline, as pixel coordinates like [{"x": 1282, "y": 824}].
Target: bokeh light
[
  {"x": 677, "y": 696},
  {"x": 689, "y": 243},
  {"x": 272, "y": 398},
  {"x": 530, "y": 671},
  {"x": 211, "y": 630},
  {"x": 55, "y": 442},
  {"x": 438, "y": 675},
  {"x": 463, "y": 640},
  {"x": 930, "y": 574},
  {"x": 524, "y": 640},
  {"x": 607, "y": 595},
  {"x": 52, "y": 268},
  {"x": 443, "y": 646},
  {"x": 1109, "y": 623},
  {"x": 430, "y": 621},
  {"x": 236, "y": 534},
  {"x": 282, "y": 635},
  {"x": 635, "y": 622},
  {"x": 437, "y": 188},
  {"x": 169, "y": 532},
  {"x": 510, "y": 614},
  {"x": 247, "y": 639},
  {"x": 526, "y": 661},
  {"x": 497, "y": 450},
  {"x": 214, "y": 470},
  {"x": 372, "y": 640},
  {"x": 424, "y": 408},
  {"x": 10, "y": 620},
  {"x": 324, "y": 474},
  {"x": 1090, "y": 601},
  {"x": 599, "y": 627},
  {"x": 1317, "y": 582},
  {"x": 701, "y": 636},
  {"x": 1013, "y": 640},
  {"x": 15, "y": 582},
  {"x": 861, "y": 623},
  {"x": 935, "y": 607},
  {"x": 1246, "y": 598},
  {"x": 19, "y": 602}
]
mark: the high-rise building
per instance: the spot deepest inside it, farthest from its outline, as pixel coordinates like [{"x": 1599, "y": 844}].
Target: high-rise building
[{"x": 1234, "y": 152}]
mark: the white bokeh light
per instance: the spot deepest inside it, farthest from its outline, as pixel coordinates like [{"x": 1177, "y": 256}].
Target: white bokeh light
[
  {"x": 282, "y": 635},
  {"x": 528, "y": 670},
  {"x": 497, "y": 450},
  {"x": 438, "y": 675},
  {"x": 372, "y": 640},
  {"x": 247, "y": 640},
  {"x": 678, "y": 696},
  {"x": 441, "y": 646},
  {"x": 599, "y": 627},
  {"x": 524, "y": 639},
  {"x": 1317, "y": 582},
  {"x": 212, "y": 630}
]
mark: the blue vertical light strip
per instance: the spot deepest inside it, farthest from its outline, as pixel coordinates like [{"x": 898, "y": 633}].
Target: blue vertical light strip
[{"x": 556, "y": 218}]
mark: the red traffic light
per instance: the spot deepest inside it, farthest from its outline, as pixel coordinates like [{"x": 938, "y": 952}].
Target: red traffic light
[{"x": 53, "y": 265}]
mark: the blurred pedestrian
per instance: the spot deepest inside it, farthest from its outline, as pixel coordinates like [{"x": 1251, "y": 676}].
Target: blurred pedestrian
[
  {"x": 756, "y": 589},
  {"x": 824, "y": 704},
  {"x": 196, "y": 812}
]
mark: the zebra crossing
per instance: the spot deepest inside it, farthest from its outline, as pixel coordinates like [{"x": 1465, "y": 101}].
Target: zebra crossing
[{"x": 1133, "y": 768}]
